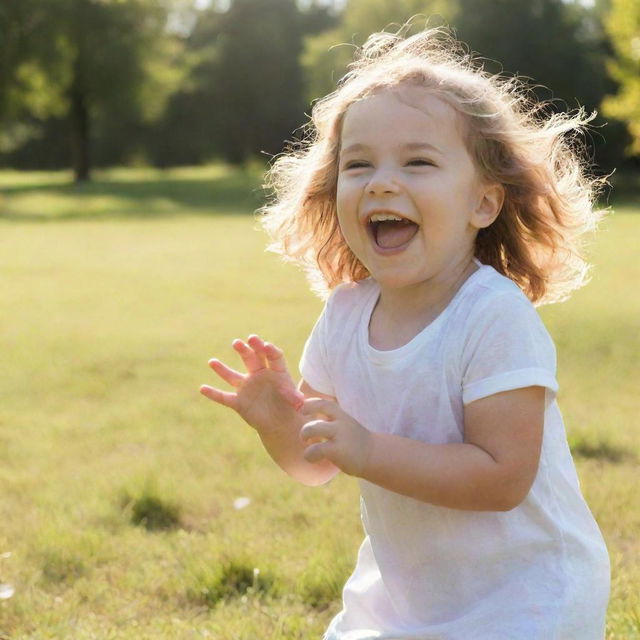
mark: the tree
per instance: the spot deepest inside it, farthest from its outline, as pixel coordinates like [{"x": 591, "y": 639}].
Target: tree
[
  {"x": 25, "y": 68},
  {"x": 623, "y": 26},
  {"x": 188, "y": 130},
  {"x": 94, "y": 61},
  {"x": 327, "y": 54},
  {"x": 559, "y": 45},
  {"x": 537, "y": 39},
  {"x": 257, "y": 77}
]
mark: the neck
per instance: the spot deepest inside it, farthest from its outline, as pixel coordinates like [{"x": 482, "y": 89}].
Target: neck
[{"x": 425, "y": 300}]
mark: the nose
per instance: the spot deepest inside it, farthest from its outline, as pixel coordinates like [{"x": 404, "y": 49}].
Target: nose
[{"x": 382, "y": 181}]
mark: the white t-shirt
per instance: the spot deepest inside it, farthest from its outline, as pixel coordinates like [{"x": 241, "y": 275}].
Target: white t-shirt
[{"x": 537, "y": 572}]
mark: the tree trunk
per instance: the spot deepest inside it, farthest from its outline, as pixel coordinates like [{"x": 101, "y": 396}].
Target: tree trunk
[
  {"x": 79, "y": 111},
  {"x": 79, "y": 114}
]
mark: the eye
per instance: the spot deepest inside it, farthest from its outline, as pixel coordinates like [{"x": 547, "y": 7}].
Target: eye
[
  {"x": 356, "y": 164},
  {"x": 420, "y": 162}
]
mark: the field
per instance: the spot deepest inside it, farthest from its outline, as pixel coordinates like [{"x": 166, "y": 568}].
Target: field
[{"x": 120, "y": 485}]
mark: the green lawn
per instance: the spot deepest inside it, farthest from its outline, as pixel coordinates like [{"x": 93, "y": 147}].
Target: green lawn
[{"x": 118, "y": 479}]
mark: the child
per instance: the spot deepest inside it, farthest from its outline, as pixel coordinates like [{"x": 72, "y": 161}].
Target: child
[{"x": 436, "y": 204}]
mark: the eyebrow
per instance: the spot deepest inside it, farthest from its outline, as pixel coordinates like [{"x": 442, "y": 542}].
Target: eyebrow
[{"x": 410, "y": 146}]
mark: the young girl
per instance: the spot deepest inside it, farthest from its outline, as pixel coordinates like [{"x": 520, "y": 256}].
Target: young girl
[{"x": 436, "y": 204}]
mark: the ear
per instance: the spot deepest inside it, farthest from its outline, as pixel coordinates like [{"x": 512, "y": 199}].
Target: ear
[{"x": 491, "y": 199}]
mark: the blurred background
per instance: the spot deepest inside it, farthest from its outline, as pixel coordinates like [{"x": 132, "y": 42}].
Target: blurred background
[
  {"x": 133, "y": 140},
  {"x": 164, "y": 83}
]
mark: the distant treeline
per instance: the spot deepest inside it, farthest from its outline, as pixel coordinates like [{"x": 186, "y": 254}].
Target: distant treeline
[{"x": 87, "y": 83}]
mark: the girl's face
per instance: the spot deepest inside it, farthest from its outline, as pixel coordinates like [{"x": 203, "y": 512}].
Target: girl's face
[{"x": 409, "y": 199}]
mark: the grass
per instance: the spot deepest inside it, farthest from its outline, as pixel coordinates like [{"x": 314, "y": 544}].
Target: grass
[{"x": 118, "y": 480}]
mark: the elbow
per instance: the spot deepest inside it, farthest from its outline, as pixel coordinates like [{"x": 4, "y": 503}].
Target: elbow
[
  {"x": 508, "y": 505},
  {"x": 512, "y": 497},
  {"x": 512, "y": 486}
]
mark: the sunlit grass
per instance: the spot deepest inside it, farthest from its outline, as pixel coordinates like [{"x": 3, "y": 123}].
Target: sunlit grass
[
  {"x": 130, "y": 193},
  {"x": 111, "y": 305}
]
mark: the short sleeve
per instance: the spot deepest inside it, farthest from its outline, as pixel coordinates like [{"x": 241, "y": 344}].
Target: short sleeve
[
  {"x": 508, "y": 347},
  {"x": 314, "y": 362}
]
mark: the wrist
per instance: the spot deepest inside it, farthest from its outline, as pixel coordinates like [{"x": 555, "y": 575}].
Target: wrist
[{"x": 369, "y": 454}]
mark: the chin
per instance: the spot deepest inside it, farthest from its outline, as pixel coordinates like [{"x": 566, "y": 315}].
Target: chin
[{"x": 393, "y": 280}]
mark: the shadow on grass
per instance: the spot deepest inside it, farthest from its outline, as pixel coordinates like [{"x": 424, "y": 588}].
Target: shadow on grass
[
  {"x": 600, "y": 450},
  {"x": 229, "y": 192},
  {"x": 148, "y": 509}
]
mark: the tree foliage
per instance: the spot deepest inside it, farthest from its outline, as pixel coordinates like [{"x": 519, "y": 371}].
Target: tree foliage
[
  {"x": 327, "y": 54},
  {"x": 93, "y": 62},
  {"x": 258, "y": 78},
  {"x": 173, "y": 83},
  {"x": 25, "y": 70},
  {"x": 559, "y": 46},
  {"x": 244, "y": 95},
  {"x": 623, "y": 27},
  {"x": 539, "y": 39}
]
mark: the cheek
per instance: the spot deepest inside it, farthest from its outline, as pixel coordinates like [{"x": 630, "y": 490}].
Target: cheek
[
  {"x": 347, "y": 224},
  {"x": 346, "y": 208},
  {"x": 350, "y": 229},
  {"x": 344, "y": 195}
]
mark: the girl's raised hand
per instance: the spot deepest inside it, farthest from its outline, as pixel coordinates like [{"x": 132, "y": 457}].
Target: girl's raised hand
[{"x": 265, "y": 396}]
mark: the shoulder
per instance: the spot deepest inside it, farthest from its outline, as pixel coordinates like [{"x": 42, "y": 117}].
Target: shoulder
[
  {"x": 334, "y": 331},
  {"x": 352, "y": 292},
  {"x": 494, "y": 298},
  {"x": 496, "y": 312},
  {"x": 350, "y": 297},
  {"x": 494, "y": 284},
  {"x": 504, "y": 344}
]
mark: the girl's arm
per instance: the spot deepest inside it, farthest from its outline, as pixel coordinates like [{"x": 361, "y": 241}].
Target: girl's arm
[
  {"x": 492, "y": 470},
  {"x": 267, "y": 399}
]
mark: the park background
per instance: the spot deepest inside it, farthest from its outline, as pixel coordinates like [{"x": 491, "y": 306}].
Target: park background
[{"x": 133, "y": 139}]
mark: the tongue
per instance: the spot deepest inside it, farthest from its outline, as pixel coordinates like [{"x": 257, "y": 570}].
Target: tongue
[{"x": 390, "y": 235}]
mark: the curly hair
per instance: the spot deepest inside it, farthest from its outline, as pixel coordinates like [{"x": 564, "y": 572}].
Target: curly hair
[{"x": 537, "y": 239}]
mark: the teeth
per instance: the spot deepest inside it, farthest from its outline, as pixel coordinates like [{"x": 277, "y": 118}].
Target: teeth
[{"x": 382, "y": 217}]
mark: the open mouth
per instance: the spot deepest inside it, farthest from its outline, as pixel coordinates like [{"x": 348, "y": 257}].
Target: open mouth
[{"x": 390, "y": 231}]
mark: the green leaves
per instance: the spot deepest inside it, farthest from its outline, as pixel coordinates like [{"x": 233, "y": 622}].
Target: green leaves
[{"x": 623, "y": 26}]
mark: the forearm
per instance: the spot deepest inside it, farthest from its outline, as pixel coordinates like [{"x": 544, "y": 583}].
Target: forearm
[
  {"x": 457, "y": 475},
  {"x": 492, "y": 471}
]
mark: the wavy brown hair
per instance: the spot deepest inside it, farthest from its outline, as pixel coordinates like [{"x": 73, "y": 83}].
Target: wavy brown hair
[{"x": 537, "y": 155}]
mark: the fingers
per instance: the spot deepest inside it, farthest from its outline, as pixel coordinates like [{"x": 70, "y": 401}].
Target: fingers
[
  {"x": 320, "y": 433},
  {"x": 317, "y": 429},
  {"x": 253, "y": 361},
  {"x": 258, "y": 354},
  {"x": 273, "y": 355},
  {"x": 221, "y": 397},
  {"x": 321, "y": 405},
  {"x": 233, "y": 377},
  {"x": 320, "y": 451}
]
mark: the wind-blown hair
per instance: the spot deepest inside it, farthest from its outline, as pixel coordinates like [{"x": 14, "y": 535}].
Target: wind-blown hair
[{"x": 536, "y": 240}]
